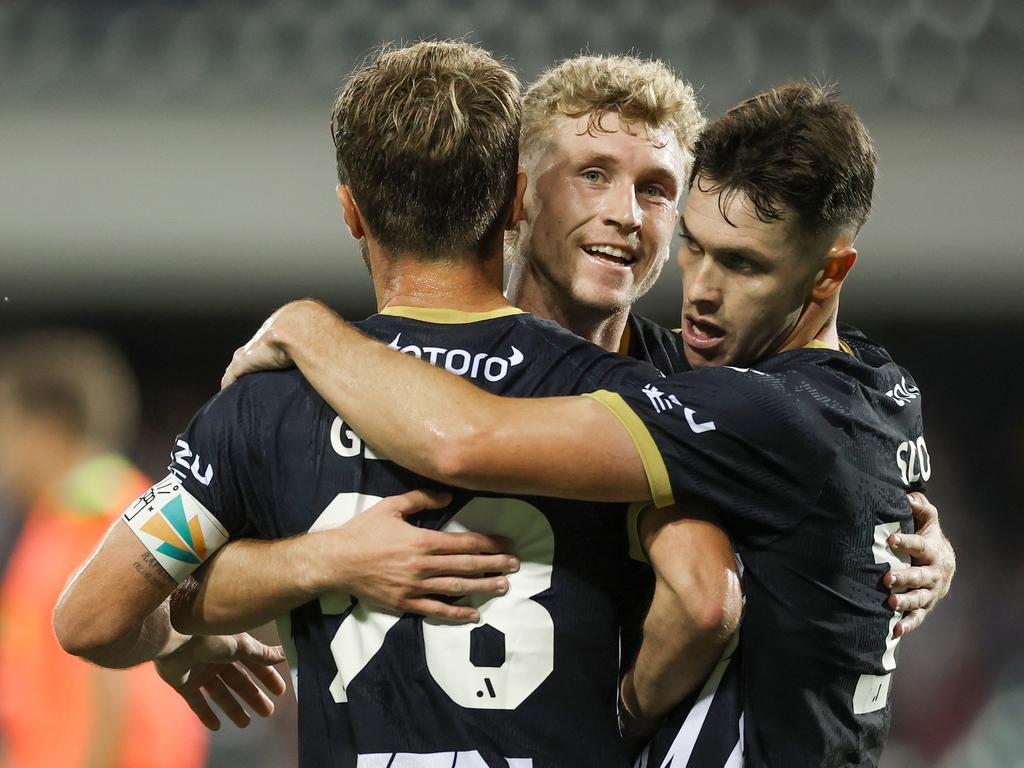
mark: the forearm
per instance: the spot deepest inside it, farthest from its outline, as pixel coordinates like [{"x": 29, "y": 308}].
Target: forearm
[
  {"x": 696, "y": 608},
  {"x": 113, "y": 611},
  {"x": 151, "y": 638},
  {"x": 246, "y": 584},
  {"x": 444, "y": 427},
  {"x": 674, "y": 658}
]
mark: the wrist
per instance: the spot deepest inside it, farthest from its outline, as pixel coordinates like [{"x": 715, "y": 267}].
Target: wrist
[
  {"x": 177, "y": 646},
  {"x": 292, "y": 320},
  {"x": 322, "y": 563}
]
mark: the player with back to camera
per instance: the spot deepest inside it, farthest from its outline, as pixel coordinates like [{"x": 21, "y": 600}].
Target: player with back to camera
[
  {"x": 804, "y": 438},
  {"x": 534, "y": 682}
]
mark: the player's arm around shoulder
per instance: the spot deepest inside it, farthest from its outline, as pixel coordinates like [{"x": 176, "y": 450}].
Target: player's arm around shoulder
[
  {"x": 695, "y": 610},
  {"x": 449, "y": 429}
]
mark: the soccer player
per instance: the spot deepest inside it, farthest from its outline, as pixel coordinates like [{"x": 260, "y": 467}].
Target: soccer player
[
  {"x": 601, "y": 204},
  {"x": 804, "y": 439},
  {"x": 427, "y": 147}
]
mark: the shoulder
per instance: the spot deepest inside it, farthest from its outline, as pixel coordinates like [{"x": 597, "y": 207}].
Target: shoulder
[
  {"x": 257, "y": 399},
  {"x": 652, "y": 330},
  {"x": 546, "y": 336},
  {"x": 548, "y": 331},
  {"x": 788, "y": 401},
  {"x": 575, "y": 363},
  {"x": 269, "y": 388},
  {"x": 656, "y": 344}
]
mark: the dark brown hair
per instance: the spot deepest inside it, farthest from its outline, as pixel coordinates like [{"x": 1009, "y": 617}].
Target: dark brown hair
[
  {"x": 793, "y": 150},
  {"x": 427, "y": 139}
]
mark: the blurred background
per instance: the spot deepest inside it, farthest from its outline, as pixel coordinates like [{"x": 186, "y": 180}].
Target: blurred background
[{"x": 167, "y": 179}]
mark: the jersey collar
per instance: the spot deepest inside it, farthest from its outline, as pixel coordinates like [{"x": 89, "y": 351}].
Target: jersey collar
[
  {"x": 448, "y": 316},
  {"x": 843, "y": 346}
]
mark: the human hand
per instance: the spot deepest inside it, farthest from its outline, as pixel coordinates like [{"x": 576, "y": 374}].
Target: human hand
[
  {"x": 381, "y": 557},
  {"x": 264, "y": 351},
  {"x": 933, "y": 563},
  {"x": 216, "y": 665}
]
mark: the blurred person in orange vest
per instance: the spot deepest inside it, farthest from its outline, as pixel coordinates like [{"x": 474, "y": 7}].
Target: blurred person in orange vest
[{"x": 66, "y": 400}]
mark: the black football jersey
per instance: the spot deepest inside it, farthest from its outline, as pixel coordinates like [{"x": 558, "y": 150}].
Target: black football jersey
[
  {"x": 645, "y": 340},
  {"x": 808, "y": 458},
  {"x": 534, "y": 684}
]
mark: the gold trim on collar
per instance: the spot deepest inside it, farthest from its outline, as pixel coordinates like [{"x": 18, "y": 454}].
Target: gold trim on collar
[
  {"x": 448, "y": 316},
  {"x": 843, "y": 346},
  {"x": 627, "y": 337}
]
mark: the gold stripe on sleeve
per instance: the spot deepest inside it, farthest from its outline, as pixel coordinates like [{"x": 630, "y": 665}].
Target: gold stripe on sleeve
[{"x": 654, "y": 464}]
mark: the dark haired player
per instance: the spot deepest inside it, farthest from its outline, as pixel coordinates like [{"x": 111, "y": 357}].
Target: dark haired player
[
  {"x": 804, "y": 440},
  {"x": 269, "y": 459}
]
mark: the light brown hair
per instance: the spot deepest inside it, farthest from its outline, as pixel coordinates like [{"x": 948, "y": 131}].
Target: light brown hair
[{"x": 427, "y": 139}]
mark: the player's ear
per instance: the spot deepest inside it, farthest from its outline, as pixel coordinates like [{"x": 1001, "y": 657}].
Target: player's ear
[
  {"x": 838, "y": 263},
  {"x": 353, "y": 216},
  {"x": 517, "y": 213}
]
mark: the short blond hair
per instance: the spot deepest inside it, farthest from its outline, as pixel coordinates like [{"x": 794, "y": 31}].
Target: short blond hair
[
  {"x": 427, "y": 137},
  {"x": 638, "y": 90}
]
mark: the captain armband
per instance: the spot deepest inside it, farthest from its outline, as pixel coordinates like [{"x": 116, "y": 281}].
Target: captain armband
[{"x": 175, "y": 527}]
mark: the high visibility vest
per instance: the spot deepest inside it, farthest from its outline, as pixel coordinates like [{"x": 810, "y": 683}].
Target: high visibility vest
[{"x": 50, "y": 705}]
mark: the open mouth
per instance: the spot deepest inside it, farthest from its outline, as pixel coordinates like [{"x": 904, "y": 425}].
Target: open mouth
[
  {"x": 701, "y": 334},
  {"x": 612, "y": 255}
]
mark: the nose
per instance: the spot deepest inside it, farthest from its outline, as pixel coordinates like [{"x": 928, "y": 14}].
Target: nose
[
  {"x": 701, "y": 286},
  {"x": 622, "y": 209}
]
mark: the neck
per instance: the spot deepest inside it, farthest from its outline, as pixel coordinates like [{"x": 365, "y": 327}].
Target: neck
[
  {"x": 460, "y": 282},
  {"x": 817, "y": 322},
  {"x": 532, "y": 293}
]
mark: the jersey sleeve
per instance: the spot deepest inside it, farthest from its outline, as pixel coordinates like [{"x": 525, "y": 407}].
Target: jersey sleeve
[
  {"x": 213, "y": 491},
  {"x": 752, "y": 444}
]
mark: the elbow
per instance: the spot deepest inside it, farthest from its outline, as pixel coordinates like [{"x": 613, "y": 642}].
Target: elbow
[
  {"x": 459, "y": 455},
  {"x": 718, "y": 616},
  {"x": 712, "y": 607},
  {"x": 84, "y": 634}
]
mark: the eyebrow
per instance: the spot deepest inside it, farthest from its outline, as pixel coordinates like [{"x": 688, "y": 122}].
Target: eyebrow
[{"x": 747, "y": 253}]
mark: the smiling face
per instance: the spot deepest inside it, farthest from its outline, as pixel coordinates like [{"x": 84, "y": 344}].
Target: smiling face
[
  {"x": 600, "y": 209},
  {"x": 744, "y": 284}
]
